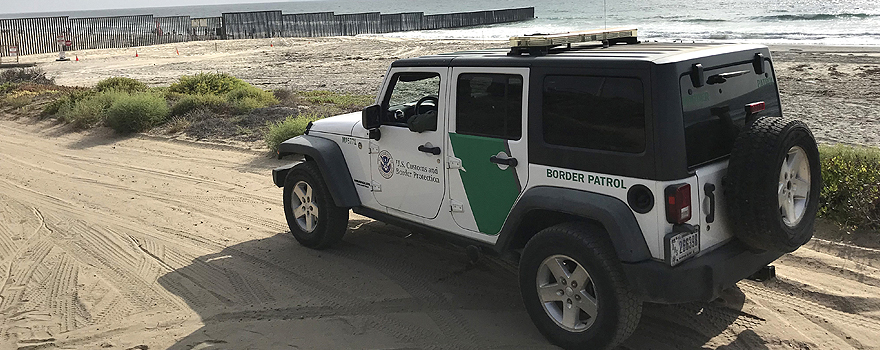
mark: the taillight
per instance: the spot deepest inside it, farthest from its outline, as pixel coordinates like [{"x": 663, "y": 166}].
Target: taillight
[
  {"x": 755, "y": 107},
  {"x": 678, "y": 203}
]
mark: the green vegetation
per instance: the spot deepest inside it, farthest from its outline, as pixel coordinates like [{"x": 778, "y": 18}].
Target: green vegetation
[
  {"x": 207, "y": 83},
  {"x": 246, "y": 99},
  {"x": 17, "y": 99},
  {"x": 138, "y": 112},
  {"x": 90, "y": 110},
  {"x": 120, "y": 84},
  {"x": 8, "y": 87},
  {"x": 851, "y": 192},
  {"x": 67, "y": 101},
  {"x": 291, "y": 126},
  {"x": 189, "y": 103}
]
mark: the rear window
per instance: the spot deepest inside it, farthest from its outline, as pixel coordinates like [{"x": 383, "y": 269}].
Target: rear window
[
  {"x": 600, "y": 113},
  {"x": 715, "y": 113}
]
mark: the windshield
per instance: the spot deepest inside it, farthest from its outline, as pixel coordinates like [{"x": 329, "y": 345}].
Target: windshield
[{"x": 715, "y": 112}]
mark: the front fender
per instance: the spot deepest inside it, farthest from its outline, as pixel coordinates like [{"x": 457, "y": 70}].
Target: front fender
[{"x": 331, "y": 162}]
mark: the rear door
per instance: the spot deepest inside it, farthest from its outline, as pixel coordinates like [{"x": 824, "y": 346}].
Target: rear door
[
  {"x": 487, "y": 145},
  {"x": 714, "y": 114}
]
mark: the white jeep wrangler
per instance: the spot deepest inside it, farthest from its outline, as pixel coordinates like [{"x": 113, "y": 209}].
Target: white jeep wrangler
[{"x": 616, "y": 173}]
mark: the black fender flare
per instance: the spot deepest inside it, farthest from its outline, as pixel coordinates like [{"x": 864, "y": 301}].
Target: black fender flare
[
  {"x": 613, "y": 214},
  {"x": 331, "y": 162}
]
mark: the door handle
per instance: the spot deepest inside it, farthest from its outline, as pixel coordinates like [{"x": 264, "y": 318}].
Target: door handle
[
  {"x": 432, "y": 150},
  {"x": 503, "y": 161},
  {"x": 710, "y": 192}
]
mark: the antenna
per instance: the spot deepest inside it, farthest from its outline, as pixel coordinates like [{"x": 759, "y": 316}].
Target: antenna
[{"x": 605, "y": 15}]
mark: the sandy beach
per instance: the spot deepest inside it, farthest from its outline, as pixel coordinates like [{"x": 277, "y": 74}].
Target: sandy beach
[{"x": 144, "y": 242}]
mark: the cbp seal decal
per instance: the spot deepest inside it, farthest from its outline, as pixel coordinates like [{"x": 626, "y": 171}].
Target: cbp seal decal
[{"x": 386, "y": 164}]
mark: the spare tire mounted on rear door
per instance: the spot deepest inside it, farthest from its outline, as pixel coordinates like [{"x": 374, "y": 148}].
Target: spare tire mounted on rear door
[{"x": 772, "y": 184}]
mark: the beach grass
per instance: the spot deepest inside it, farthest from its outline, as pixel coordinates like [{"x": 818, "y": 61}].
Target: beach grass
[
  {"x": 291, "y": 126},
  {"x": 851, "y": 191}
]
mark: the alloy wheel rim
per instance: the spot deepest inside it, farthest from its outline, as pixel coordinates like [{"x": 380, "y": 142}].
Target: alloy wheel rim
[
  {"x": 793, "y": 192},
  {"x": 305, "y": 209},
  {"x": 567, "y": 293}
]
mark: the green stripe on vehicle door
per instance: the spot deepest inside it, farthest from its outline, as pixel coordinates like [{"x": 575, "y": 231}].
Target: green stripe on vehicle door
[{"x": 490, "y": 191}]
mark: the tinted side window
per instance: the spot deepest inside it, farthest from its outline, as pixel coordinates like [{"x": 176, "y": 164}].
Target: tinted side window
[
  {"x": 601, "y": 113},
  {"x": 489, "y": 105}
]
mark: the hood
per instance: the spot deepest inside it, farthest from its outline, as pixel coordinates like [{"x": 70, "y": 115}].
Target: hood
[{"x": 340, "y": 124}]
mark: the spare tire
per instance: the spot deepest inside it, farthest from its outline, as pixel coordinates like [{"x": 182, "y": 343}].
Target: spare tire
[{"x": 772, "y": 184}]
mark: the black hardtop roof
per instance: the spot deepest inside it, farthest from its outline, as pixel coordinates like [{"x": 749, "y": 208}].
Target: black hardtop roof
[{"x": 656, "y": 53}]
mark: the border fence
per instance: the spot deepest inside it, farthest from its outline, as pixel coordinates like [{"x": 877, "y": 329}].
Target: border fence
[{"x": 50, "y": 34}]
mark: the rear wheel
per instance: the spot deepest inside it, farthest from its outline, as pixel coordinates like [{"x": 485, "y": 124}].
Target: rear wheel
[
  {"x": 574, "y": 289},
  {"x": 314, "y": 220}
]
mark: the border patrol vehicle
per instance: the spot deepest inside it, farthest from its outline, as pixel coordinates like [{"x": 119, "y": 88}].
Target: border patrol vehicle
[{"x": 616, "y": 172}]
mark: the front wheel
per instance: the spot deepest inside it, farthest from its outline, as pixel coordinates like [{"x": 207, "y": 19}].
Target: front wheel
[
  {"x": 314, "y": 220},
  {"x": 574, "y": 289}
]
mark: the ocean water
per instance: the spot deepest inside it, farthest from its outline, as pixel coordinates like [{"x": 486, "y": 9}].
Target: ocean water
[{"x": 825, "y": 22}]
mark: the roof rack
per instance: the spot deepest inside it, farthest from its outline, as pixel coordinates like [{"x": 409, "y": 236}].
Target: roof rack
[{"x": 540, "y": 44}]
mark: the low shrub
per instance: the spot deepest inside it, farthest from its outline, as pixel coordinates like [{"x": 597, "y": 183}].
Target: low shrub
[
  {"x": 207, "y": 83},
  {"x": 25, "y": 75},
  {"x": 8, "y": 87},
  {"x": 90, "y": 110},
  {"x": 138, "y": 112},
  {"x": 121, "y": 84},
  {"x": 15, "y": 101},
  {"x": 189, "y": 103},
  {"x": 851, "y": 192},
  {"x": 65, "y": 102},
  {"x": 289, "y": 127},
  {"x": 246, "y": 99}
]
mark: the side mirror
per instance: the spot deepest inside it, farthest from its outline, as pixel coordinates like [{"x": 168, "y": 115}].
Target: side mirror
[{"x": 370, "y": 117}]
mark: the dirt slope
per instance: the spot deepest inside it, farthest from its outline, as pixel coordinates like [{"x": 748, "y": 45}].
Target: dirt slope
[{"x": 110, "y": 242}]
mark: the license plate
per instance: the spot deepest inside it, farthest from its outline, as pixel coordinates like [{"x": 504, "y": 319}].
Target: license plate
[{"x": 680, "y": 246}]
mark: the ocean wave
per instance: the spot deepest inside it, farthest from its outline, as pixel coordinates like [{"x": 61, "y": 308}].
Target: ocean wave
[
  {"x": 815, "y": 17},
  {"x": 701, "y": 20}
]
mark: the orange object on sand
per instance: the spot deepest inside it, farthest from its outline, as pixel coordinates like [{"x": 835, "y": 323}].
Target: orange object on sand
[{"x": 77, "y": 58}]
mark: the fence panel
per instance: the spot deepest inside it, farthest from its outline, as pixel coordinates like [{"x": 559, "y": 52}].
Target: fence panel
[
  {"x": 172, "y": 29},
  {"x": 112, "y": 32},
  {"x": 358, "y": 23},
  {"x": 33, "y": 35},
  {"x": 400, "y": 22},
  {"x": 249, "y": 25},
  {"x": 207, "y": 28}
]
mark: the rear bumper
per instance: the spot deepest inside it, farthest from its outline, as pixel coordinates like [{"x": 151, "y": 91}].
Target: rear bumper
[{"x": 698, "y": 279}]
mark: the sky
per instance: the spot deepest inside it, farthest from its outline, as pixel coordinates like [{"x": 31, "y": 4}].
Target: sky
[{"x": 25, "y": 6}]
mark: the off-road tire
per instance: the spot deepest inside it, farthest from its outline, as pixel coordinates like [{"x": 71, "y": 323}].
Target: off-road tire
[
  {"x": 618, "y": 309},
  {"x": 332, "y": 220},
  {"x": 753, "y": 184}
]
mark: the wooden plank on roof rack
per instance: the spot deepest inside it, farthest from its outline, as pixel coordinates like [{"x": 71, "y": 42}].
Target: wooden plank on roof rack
[{"x": 550, "y": 40}]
